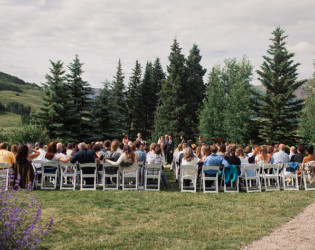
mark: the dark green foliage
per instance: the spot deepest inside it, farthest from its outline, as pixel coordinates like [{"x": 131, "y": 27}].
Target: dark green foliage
[
  {"x": 307, "y": 118},
  {"x": 106, "y": 115},
  {"x": 18, "y": 108},
  {"x": 171, "y": 114},
  {"x": 119, "y": 97},
  {"x": 7, "y": 86},
  {"x": 278, "y": 109},
  {"x": 158, "y": 76},
  {"x": 52, "y": 111},
  {"x": 134, "y": 102},
  {"x": 2, "y": 107},
  {"x": 78, "y": 112},
  {"x": 195, "y": 91},
  {"x": 148, "y": 102}
]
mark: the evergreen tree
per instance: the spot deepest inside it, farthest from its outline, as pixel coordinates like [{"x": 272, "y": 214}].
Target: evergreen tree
[
  {"x": 106, "y": 115},
  {"x": 171, "y": 115},
  {"x": 158, "y": 76},
  {"x": 51, "y": 114},
  {"x": 277, "y": 110},
  {"x": 148, "y": 102},
  {"x": 213, "y": 113},
  {"x": 195, "y": 91},
  {"x": 80, "y": 124},
  {"x": 119, "y": 97},
  {"x": 134, "y": 101},
  {"x": 307, "y": 119},
  {"x": 238, "y": 124}
]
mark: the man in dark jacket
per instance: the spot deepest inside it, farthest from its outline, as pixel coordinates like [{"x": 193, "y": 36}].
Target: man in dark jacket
[{"x": 169, "y": 150}]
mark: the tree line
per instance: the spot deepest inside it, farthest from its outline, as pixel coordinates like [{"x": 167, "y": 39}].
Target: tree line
[{"x": 179, "y": 102}]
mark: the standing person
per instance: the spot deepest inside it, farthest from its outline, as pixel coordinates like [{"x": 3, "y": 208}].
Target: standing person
[
  {"x": 5, "y": 155},
  {"x": 161, "y": 142},
  {"x": 200, "y": 141},
  {"x": 169, "y": 150},
  {"x": 139, "y": 137},
  {"x": 141, "y": 159},
  {"x": 182, "y": 138},
  {"x": 165, "y": 144},
  {"x": 126, "y": 139}
]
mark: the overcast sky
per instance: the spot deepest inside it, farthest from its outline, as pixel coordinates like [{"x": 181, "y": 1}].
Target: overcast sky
[{"x": 32, "y": 32}]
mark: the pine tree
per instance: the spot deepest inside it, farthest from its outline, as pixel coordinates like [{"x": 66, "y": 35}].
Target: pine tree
[
  {"x": 119, "y": 97},
  {"x": 238, "y": 124},
  {"x": 134, "y": 101},
  {"x": 148, "y": 102},
  {"x": 213, "y": 113},
  {"x": 81, "y": 125},
  {"x": 307, "y": 119},
  {"x": 278, "y": 109},
  {"x": 106, "y": 115},
  {"x": 171, "y": 115},
  {"x": 51, "y": 114},
  {"x": 195, "y": 91},
  {"x": 158, "y": 76}
]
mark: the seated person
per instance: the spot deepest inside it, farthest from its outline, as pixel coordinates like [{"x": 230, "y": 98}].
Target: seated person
[
  {"x": 5, "y": 155},
  {"x": 310, "y": 157},
  {"x": 299, "y": 156}
]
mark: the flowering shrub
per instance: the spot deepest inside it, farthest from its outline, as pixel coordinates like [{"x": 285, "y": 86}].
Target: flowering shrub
[{"x": 20, "y": 214}]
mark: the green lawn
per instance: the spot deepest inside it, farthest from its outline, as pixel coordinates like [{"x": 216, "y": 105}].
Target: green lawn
[{"x": 165, "y": 219}]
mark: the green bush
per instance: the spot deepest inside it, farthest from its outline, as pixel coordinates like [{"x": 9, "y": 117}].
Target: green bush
[{"x": 25, "y": 134}]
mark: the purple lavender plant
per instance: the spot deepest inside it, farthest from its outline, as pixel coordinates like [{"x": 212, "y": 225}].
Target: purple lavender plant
[{"x": 20, "y": 214}]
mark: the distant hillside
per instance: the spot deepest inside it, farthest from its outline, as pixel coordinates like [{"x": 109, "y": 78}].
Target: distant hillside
[
  {"x": 14, "y": 89},
  {"x": 300, "y": 92}
]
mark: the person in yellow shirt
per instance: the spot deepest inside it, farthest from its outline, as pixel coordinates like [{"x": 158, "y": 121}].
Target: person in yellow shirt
[{"x": 5, "y": 155}]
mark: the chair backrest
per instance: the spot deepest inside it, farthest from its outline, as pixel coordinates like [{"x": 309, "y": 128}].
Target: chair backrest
[
  {"x": 106, "y": 165},
  {"x": 50, "y": 164},
  {"x": 67, "y": 164},
  {"x": 130, "y": 168},
  {"x": 88, "y": 165},
  {"x": 252, "y": 166},
  {"x": 211, "y": 168},
  {"x": 4, "y": 165},
  {"x": 153, "y": 165},
  {"x": 189, "y": 167},
  {"x": 268, "y": 166}
]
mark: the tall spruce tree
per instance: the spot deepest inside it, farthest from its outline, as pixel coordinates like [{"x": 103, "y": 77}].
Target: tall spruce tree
[
  {"x": 119, "y": 97},
  {"x": 278, "y": 109},
  {"x": 148, "y": 102},
  {"x": 213, "y": 113},
  {"x": 106, "y": 115},
  {"x": 307, "y": 118},
  {"x": 51, "y": 114},
  {"x": 195, "y": 91},
  {"x": 81, "y": 125},
  {"x": 238, "y": 124},
  {"x": 134, "y": 101},
  {"x": 158, "y": 76},
  {"x": 171, "y": 116}
]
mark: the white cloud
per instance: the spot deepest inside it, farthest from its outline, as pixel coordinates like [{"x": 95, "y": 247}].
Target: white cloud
[{"x": 101, "y": 32}]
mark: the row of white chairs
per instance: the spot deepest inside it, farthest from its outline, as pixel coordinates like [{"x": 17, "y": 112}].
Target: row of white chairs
[
  {"x": 272, "y": 176},
  {"x": 70, "y": 176}
]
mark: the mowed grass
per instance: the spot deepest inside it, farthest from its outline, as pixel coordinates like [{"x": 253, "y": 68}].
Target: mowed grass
[{"x": 165, "y": 219}]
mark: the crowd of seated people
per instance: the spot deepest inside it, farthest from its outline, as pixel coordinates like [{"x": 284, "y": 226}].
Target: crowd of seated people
[{"x": 126, "y": 153}]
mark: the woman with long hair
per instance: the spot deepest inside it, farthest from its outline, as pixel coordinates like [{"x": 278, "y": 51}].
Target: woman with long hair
[
  {"x": 23, "y": 168},
  {"x": 14, "y": 149},
  {"x": 126, "y": 159},
  {"x": 262, "y": 157},
  {"x": 310, "y": 157},
  {"x": 52, "y": 154}
]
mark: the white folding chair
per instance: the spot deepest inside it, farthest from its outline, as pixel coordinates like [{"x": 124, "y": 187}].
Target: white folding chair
[
  {"x": 83, "y": 168},
  {"x": 114, "y": 177},
  {"x": 152, "y": 172},
  {"x": 271, "y": 177},
  {"x": 251, "y": 174},
  {"x": 188, "y": 173},
  {"x": 4, "y": 174},
  {"x": 38, "y": 172},
  {"x": 215, "y": 187},
  {"x": 68, "y": 175},
  {"x": 50, "y": 171},
  {"x": 128, "y": 173},
  {"x": 289, "y": 177},
  {"x": 307, "y": 172}
]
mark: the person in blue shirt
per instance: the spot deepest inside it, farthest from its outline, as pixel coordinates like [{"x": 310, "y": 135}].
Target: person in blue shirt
[{"x": 142, "y": 157}]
